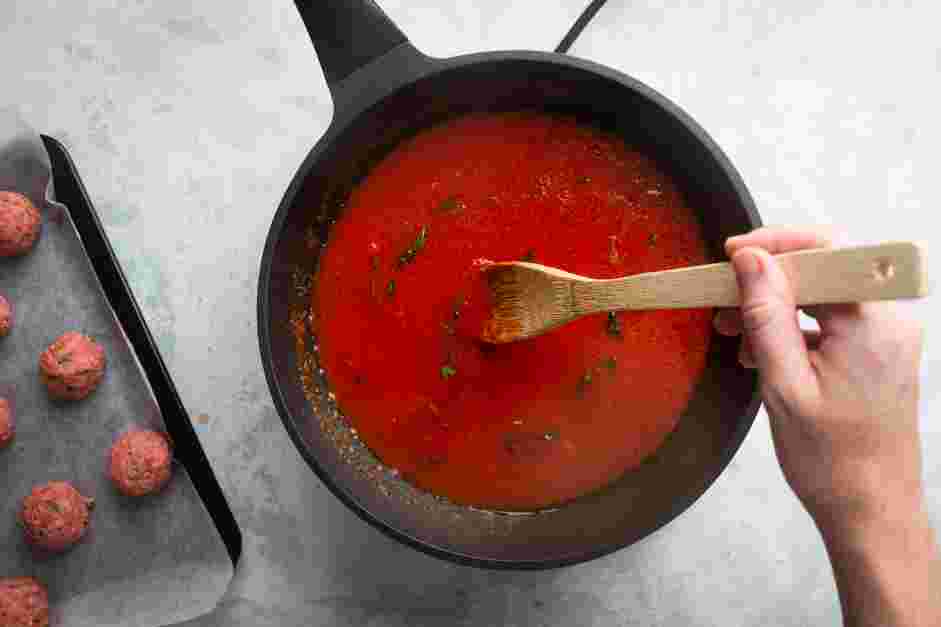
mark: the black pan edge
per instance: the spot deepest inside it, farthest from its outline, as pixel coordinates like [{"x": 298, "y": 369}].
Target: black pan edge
[{"x": 415, "y": 67}]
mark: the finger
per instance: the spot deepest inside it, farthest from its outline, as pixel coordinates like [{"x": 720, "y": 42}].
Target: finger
[
  {"x": 836, "y": 319},
  {"x": 778, "y": 240},
  {"x": 769, "y": 319},
  {"x": 745, "y": 355},
  {"x": 747, "y": 358},
  {"x": 728, "y": 322}
]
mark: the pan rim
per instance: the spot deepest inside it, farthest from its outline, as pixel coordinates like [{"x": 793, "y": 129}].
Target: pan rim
[{"x": 342, "y": 120}]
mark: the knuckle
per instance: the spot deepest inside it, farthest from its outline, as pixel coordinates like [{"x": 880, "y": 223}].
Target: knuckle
[
  {"x": 758, "y": 315},
  {"x": 785, "y": 397}
]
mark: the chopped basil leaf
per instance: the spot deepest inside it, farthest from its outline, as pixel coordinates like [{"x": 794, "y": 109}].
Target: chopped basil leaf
[
  {"x": 614, "y": 327},
  {"x": 447, "y": 372},
  {"x": 611, "y": 363},
  {"x": 451, "y": 204},
  {"x": 390, "y": 287},
  {"x": 583, "y": 382},
  {"x": 409, "y": 255}
]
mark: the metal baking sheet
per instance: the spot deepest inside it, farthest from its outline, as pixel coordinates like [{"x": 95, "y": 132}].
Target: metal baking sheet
[{"x": 153, "y": 561}]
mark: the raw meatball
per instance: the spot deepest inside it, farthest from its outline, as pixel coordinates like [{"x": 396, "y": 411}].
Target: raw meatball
[
  {"x": 19, "y": 224},
  {"x": 140, "y": 462},
  {"x": 72, "y": 367},
  {"x": 23, "y": 603},
  {"x": 7, "y": 428},
  {"x": 55, "y": 516},
  {"x": 6, "y": 316}
]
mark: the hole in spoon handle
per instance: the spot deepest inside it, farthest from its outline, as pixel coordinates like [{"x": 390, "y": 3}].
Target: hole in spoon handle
[
  {"x": 886, "y": 271},
  {"x": 883, "y": 269}
]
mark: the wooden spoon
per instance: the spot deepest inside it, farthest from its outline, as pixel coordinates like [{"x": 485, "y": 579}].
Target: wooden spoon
[{"x": 530, "y": 299}]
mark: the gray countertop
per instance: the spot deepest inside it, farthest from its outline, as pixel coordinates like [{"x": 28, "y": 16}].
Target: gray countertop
[{"x": 187, "y": 121}]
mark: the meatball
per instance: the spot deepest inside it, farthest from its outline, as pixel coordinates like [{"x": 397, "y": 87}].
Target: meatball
[
  {"x": 72, "y": 367},
  {"x": 23, "y": 603},
  {"x": 55, "y": 516},
  {"x": 140, "y": 462},
  {"x": 6, "y": 316},
  {"x": 19, "y": 224},
  {"x": 7, "y": 428}
]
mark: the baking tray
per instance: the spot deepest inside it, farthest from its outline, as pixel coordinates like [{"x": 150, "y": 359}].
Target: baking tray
[
  {"x": 144, "y": 562},
  {"x": 71, "y": 192}
]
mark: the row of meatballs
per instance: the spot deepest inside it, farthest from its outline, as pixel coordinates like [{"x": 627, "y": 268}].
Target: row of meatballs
[{"x": 55, "y": 516}]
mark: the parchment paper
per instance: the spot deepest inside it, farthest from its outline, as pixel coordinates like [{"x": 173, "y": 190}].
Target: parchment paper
[{"x": 153, "y": 561}]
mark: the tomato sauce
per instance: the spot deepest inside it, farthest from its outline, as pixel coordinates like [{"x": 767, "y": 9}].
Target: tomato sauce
[{"x": 399, "y": 298}]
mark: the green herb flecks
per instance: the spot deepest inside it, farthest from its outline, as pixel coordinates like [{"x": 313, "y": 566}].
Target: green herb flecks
[
  {"x": 451, "y": 204},
  {"x": 447, "y": 371},
  {"x": 390, "y": 288},
  {"x": 613, "y": 325},
  {"x": 409, "y": 255},
  {"x": 611, "y": 363},
  {"x": 583, "y": 382}
]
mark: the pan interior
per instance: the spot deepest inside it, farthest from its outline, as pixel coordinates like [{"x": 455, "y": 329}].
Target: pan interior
[{"x": 708, "y": 433}]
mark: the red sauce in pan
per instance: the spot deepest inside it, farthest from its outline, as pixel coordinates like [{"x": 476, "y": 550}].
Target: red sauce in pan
[{"x": 400, "y": 294}]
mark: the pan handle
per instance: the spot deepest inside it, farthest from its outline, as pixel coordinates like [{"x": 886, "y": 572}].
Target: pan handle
[{"x": 348, "y": 34}]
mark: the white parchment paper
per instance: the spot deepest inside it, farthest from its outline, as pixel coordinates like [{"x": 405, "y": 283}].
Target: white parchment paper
[{"x": 152, "y": 561}]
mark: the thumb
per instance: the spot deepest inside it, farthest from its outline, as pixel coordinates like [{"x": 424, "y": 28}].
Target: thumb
[{"x": 769, "y": 318}]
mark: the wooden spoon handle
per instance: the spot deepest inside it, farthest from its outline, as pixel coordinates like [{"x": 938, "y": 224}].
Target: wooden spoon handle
[{"x": 820, "y": 275}]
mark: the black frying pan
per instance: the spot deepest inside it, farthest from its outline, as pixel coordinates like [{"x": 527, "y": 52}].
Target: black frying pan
[{"x": 385, "y": 90}]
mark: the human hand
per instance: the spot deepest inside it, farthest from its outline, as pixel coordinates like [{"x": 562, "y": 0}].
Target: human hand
[{"x": 843, "y": 402}]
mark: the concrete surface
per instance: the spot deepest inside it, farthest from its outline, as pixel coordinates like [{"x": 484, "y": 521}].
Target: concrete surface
[{"x": 189, "y": 119}]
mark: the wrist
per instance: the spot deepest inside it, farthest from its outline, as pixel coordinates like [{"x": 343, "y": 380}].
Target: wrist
[
  {"x": 874, "y": 506},
  {"x": 903, "y": 531},
  {"x": 887, "y": 569}
]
